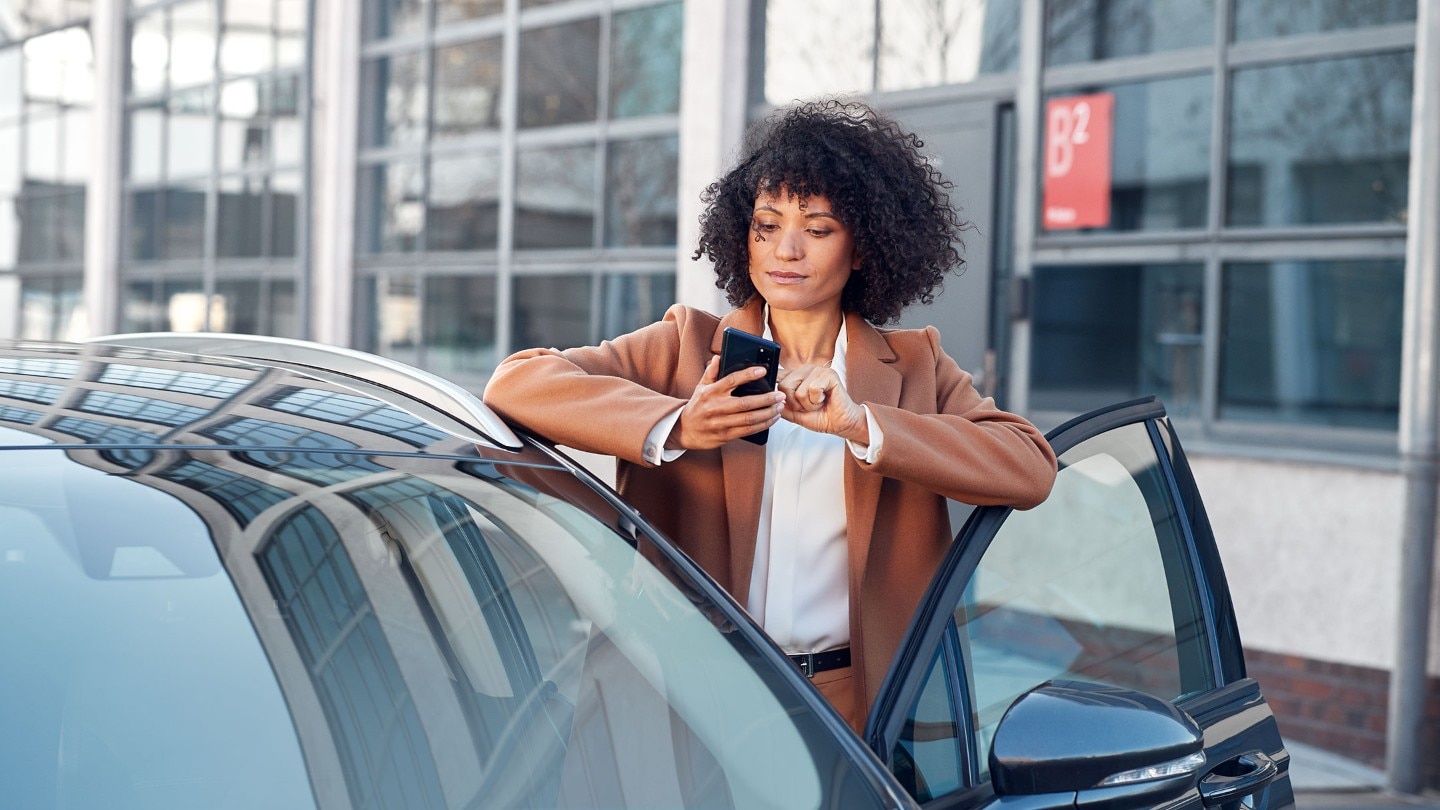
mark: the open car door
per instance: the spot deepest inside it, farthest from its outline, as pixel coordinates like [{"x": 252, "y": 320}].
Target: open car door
[{"x": 1084, "y": 653}]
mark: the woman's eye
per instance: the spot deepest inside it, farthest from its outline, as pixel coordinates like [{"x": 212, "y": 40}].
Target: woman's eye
[
  {"x": 766, "y": 227},
  {"x": 819, "y": 232}
]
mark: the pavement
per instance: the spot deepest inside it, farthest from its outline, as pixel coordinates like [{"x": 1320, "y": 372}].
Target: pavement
[{"x": 1326, "y": 781}]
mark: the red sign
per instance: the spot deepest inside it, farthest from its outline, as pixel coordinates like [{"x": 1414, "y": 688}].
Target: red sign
[{"x": 1077, "y": 161}]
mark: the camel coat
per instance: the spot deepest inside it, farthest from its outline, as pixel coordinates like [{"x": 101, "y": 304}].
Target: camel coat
[{"x": 941, "y": 438}]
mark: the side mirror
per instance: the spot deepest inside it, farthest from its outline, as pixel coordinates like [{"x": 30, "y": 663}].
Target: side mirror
[{"x": 1101, "y": 746}]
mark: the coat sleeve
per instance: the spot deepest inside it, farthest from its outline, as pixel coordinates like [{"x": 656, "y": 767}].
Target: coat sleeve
[
  {"x": 600, "y": 399},
  {"x": 968, "y": 450}
]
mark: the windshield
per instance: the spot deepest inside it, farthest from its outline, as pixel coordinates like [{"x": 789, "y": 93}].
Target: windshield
[{"x": 281, "y": 629}]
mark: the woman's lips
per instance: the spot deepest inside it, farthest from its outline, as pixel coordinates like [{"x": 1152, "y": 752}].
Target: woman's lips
[{"x": 785, "y": 278}]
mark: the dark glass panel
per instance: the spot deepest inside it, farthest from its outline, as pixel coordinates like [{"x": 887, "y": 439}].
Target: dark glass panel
[
  {"x": 142, "y": 214},
  {"x": 1160, "y": 156},
  {"x": 184, "y": 222},
  {"x": 392, "y": 206},
  {"x": 1105, "y": 334},
  {"x": 559, "y": 73},
  {"x": 924, "y": 43},
  {"x": 237, "y": 307},
  {"x": 391, "y": 310},
  {"x": 645, "y": 60},
  {"x": 467, "y": 87},
  {"x": 284, "y": 213},
  {"x": 640, "y": 192},
  {"x": 1312, "y": 342},
  {"x": 1256, "y": 19},
  {"x": 555, "y": 198},
  {"x": 459, "y": 323},
  {"x": 139, "y": 311},
  {"x": 1091, "y": 30},
  {"x": 1318, "y": 143},
  {"x": 630, "y": 301},
  {"x": 241, "y": 217},
  {"x": 552, "y": 311},
  {"x": 464, "y": 207}
]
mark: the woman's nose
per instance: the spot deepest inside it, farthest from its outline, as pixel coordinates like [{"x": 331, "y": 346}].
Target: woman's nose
[{"x": 789, "y": 247}]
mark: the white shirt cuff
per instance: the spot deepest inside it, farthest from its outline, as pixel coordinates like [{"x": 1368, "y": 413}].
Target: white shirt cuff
[
  {"x": 867, "y": 454},
  {"x": 655, "y": 451}
]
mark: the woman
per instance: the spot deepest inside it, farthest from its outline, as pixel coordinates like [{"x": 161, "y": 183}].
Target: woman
[{"x": 832, "y": 221}]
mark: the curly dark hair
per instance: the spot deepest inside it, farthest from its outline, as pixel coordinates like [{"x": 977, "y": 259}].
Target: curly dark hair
[{"x": 880, "y": 186}]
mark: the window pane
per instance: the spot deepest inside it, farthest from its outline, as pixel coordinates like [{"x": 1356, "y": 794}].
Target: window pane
[
  {"x": 75, "y": 146},
  {"x": 467, "y": 87},
  {"x": 394, "y": 208},
  {"x": 1313, "y": 342},
  {"x": 1043, "y": 604},
  {"x": 284, "y": 213},
  {"x": 184, "y": 222},
  {"x": 1321, "y": 142},
  {"x": 452, "y": 10},
  {"x": 551, "y": 311},
  {"x": 51, "y": 309},
  {"x": 927, "y": 758},
  {"x": 389, "y": 18},
  {"x": 1090, "y": 30},
  {"x": 191, "y": 140},
  {"x": 290, "y": 33},
  {"x": 147, "y": 127},
  {"x": 247, "y": 45},
  {"x": 397, "y": 107},
  {"x": 1160, "y": 160},
  {"x": 139, "y": 311},
  {"x": 1255, "y": 19},
  {"x": 280, "y": 99},
  {"x": 184, "y": 304},
  {"x": 805, "y": 60},
  {"x": 192, "y": 51},
  {"x": 42, "y": 144},
  {"x": 10, "y": 93},
  {"x": 559, "y": 74},
  {"x": 924, "y": 43},
  {"x": 149, "y": 54},
  {"x": 645, "y": 60},
  {"x": 628, "y": 302},
  {"x": 555, "y": 198},
  {"x": 284, "y": 309},
  {"x": 1105, "y": 334},
  {"x": 243, "y": 137},
  {"x": 464, "y": 211},
  {"x": 460, "y": 325},
  {"x": 640, "y": 192},
  {"x": 51, "y": 227},
  {"x": 60, "y": 67},
  {"x": 241, "y": 223},
  {"x": 142, "y": 215},
  {"x": 236, "y": 307},
  {"x": 390, "y": 309}
]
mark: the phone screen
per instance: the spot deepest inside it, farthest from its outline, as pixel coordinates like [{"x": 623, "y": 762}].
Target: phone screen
[{"x": 741, "y": 350}]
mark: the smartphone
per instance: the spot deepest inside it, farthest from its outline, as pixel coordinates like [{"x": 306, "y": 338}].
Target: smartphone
[{"x": 741, "y": 350}]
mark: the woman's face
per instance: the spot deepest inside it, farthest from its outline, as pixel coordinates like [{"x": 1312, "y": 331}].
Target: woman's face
[{"x": 800, "y": 254}]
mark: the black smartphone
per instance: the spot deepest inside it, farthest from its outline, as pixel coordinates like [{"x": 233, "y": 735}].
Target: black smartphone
[{"x": 741, "y": 350}]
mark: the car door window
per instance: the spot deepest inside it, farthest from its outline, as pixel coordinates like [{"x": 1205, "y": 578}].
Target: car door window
[{"x": 1098, "y": 583}]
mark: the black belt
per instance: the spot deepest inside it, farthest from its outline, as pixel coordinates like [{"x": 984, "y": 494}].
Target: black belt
[{"x": 811, "y": 663}]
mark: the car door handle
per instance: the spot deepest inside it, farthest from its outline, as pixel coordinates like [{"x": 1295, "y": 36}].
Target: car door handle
[{"x": 1237, "y": 777}]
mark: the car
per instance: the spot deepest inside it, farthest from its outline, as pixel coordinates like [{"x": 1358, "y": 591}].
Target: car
[{"x": 243, "y": 572}]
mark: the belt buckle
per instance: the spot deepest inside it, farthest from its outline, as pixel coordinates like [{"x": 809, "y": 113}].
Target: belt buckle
[{"x": 806, "y": 664}]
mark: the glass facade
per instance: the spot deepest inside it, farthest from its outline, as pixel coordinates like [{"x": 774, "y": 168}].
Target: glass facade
[{"x": 215, "y": 159}]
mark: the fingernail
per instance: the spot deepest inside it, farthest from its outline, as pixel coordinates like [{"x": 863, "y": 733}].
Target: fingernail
[{"x": 757, "y": 372}]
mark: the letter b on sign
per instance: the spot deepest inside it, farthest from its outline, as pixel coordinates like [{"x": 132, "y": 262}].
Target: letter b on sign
[{"x": 1077, "y": 161}]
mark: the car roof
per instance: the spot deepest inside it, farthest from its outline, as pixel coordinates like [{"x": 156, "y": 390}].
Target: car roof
[{"x": 105, "y": 395}]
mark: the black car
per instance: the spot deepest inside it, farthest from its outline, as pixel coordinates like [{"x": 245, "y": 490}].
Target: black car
[{"x": 247, "y": 572}]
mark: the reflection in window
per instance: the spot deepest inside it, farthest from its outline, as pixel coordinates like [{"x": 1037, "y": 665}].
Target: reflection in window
[
  {"x": 1105, "y": 334},
  {"x": 398, "y": 100},
  {"x": 464, "y": 207},
  {"x": 926, "y": 43},
  {"x": 188, "y": 129},
  {"x": 928, "y": 754},
  {"x": 29, "y": 391},
  {"x": 265, "y": 306},
  {"x": 1321, "y": 142},
  {"x": 1312, "y": 342},
  {"x": 192, "y": 43},
  {"x": 1089, "y": 30},
  {"x": 389, "y": 309},
  {"x": 551, "y": 311},
  {"x": 805, "y": 60},
  {"x": 20, "y": 416},
  {"x": 183, "y": 221},
  {"x": 95, "y": 432},
  {"x": 645, "y": 60},
  {"x": 37, "y": 367},
  {"x": 393, "y": 18},
  {"x": 1255, "y": 19},
  {"x": 240, "y": 222},
  {"x": 393, "y": 206},
  {"x": 454, "y": 10},
  {"x": 1160, "y": 164},
  {"x": 467, "y": 87},
  {"x": 346, "y": 409},
  {"x": 171, "y": 305},
  {"x": 640, "y": 192},
  {"x": 245, "y": 498},
  {"x": 555, "y": 197},
  {"x": 165, "y": 379},
  {"x": 52, "y": 308},
  {"x": 559, "y": 74},
  {"x": 304, "y": 463},
  {"x": 386, "y": 756},
  {"x": 144, "y": 409},
  {"x": 459, "y": 323}
]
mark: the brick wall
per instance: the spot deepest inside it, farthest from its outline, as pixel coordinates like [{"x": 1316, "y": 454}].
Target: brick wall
[{"x": 1338, "y": 707}]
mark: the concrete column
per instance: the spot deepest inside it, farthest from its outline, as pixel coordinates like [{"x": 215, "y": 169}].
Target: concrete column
[
  {"x": 335, "y": 114},
  {"x": 1027, "y": 166},
  {"x": 713, "y": 100},
  {"x": 104, "y": 195}
]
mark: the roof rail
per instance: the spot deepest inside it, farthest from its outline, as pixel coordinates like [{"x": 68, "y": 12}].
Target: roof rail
[{"x": 426, "y": 396}]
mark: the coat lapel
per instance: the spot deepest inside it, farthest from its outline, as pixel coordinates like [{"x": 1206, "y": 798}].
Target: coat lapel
[
  {"x": 870, "y": 376},
  {"x": 743, "y": 465}
]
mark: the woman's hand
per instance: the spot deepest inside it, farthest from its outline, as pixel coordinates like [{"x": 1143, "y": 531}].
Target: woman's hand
[
  {"x": 713, "y": 417},
  {"x": 815, "y": 400}
]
